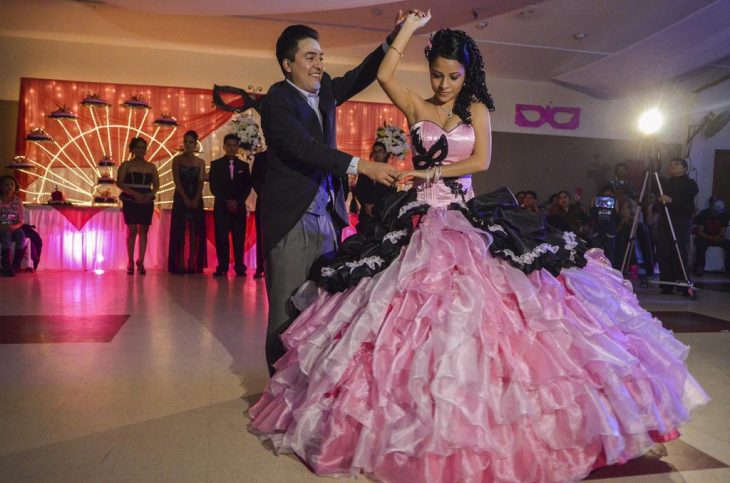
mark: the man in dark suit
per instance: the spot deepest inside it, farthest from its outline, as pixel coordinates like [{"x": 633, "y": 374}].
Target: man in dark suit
[
  {"x": 230, "y": 183},
  {"x": 303, "y": 205}
]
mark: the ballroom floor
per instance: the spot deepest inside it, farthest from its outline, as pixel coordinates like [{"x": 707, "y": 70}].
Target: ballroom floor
[{"x": 110, "y": 377}]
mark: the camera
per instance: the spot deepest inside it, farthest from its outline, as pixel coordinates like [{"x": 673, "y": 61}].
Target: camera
[{"x": 606, "y": 202}]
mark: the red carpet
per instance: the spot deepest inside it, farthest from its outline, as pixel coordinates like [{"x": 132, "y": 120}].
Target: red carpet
[{"x": 57, "y": 329}]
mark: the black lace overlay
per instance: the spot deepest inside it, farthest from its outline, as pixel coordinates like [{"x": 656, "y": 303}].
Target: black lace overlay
[
  {"x": 521, "y": 238},
  {"x": 428, "y": 158},
  {"x": 369, "y": 252}
]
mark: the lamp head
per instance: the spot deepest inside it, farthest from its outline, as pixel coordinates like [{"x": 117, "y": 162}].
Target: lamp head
[{"x": 651, "y": 121}]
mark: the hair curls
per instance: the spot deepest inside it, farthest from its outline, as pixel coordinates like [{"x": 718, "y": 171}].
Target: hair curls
[{"x": 458, "y": 45}]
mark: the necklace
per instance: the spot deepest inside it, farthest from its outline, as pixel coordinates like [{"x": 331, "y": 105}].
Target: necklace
[{"x": 448, "y": 111}]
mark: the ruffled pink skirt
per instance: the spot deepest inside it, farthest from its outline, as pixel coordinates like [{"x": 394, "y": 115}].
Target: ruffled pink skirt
[{"x": 452, "y": 366}]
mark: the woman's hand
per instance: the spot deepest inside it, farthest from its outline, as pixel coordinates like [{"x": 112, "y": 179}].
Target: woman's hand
[
  {"x": 414, "y": 173},
  {"x": 417, "y": 19}
]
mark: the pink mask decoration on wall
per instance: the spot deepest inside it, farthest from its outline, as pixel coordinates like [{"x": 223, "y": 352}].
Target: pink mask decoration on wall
[{"x": 557, "y": 117}]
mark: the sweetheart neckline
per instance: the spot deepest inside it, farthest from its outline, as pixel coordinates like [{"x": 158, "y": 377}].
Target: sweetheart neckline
[{"x": 439, "y": 126}]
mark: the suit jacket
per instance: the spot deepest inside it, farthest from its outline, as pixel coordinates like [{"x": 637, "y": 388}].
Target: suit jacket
[
  {"x": 301, "y": 152},
  {"x": 223, "y": 187},
  {"x": 258, "y": 173}
]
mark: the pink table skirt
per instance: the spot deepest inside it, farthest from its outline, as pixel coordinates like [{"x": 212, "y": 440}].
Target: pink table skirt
[{"x": 90, "y": 238}]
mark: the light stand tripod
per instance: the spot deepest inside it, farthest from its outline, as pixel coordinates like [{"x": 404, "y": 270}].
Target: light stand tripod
[{"x": 650, "y": 175}]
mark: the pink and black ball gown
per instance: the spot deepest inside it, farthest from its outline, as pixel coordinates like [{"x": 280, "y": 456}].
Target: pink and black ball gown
[{"x": 464, "y": 340}]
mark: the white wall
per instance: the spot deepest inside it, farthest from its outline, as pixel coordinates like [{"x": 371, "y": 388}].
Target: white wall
[
  {"x": 75, "y": 60},
  {"x": 717, "y": 100}
]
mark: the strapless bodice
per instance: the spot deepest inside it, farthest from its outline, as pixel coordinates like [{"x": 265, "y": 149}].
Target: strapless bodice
[{"x": 434, "y": 146}]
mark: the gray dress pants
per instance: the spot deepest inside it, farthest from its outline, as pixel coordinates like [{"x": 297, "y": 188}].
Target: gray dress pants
[{"x": 287, "y": 267}]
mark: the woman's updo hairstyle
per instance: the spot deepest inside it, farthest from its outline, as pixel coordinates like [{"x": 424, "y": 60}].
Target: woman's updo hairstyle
[{"x": 457, "y": 45}]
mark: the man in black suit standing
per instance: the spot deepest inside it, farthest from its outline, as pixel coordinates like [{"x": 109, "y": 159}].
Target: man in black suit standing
[
  {"x": 303, "y": 205},
  {"x": 230, "y": 183}
]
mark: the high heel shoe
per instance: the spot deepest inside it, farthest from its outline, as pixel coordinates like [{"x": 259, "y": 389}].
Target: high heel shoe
[
  {"x": 130, "y": 269},
  {"x": 140, "y": 268}
]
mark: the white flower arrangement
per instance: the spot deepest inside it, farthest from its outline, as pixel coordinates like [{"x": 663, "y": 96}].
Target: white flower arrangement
[
  {"x": 248, "y": 130},
  {"x": 394, "y": 139}
]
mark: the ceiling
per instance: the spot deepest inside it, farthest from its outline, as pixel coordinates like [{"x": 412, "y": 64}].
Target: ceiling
[{"x": 605, "y": 48}]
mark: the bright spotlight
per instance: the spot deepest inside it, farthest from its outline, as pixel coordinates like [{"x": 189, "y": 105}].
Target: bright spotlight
[{"x": 650, "y": 122}]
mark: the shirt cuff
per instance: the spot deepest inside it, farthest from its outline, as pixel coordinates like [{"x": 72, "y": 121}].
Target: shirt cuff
[
  {"x": 352, "y": 169},
  {"x": 386, "y": 44}
]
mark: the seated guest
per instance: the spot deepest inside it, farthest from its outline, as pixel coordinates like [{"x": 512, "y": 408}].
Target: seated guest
[
  {"x": 230, "y": 183},
  {"x": 711, "y": 226},
  {"x": 188, "y": 217},
  {"x": 567, "y": 216},
  {"x": 369, "y": 192},
  {"x": 529, "y": 202},
  {"x": 139, "y": 181},
  {"x": 520, "y": 195},
  {"x": 12, "y": 218}
]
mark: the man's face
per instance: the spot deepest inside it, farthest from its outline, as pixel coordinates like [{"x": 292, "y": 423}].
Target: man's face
[
  {"x": 528, "y": 201},
  {"x": 378, "y": 154},
  {"x": 231, "y": 148},
  {"x": 676, "y": 168},
  {"x": 305, "y": 71},
  {"x": 621, "y": 172}
]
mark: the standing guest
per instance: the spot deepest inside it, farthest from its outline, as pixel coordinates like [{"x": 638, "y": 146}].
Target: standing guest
[
  {"x": 230, "y": 183},
  {"x": 188, "y": 218},
  {"x": 12, "y": 218},
  {"x": 679, "y": 198},
  {"x": 529, "y": 201},
  {"x": 368, "y": 192},
  {"x": 139, "y": 181},
  {"x": 604, "y": 220},
  {"x": 621, "y": 183},
  {"x": 258, "y": 173},
  {"x": 711, "y": 227},
  {"x": 303, "y": 205}
]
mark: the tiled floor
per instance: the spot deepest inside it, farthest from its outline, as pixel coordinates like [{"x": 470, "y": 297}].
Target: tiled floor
[{"x": 154, "y": 374}]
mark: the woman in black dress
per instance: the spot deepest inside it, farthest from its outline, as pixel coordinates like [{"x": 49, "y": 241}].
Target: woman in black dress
[
  {"x": 139, "y": 181},
  {"x": 188, "y": 220}
]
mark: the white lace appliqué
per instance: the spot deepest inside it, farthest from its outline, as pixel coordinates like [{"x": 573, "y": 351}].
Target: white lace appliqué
[
  {"x": 408, "y": 206},
  {"x": 496, "y": 228},
  {"x": 570, "y": 243},
  {"x": 372, "y": 262},
  {"x": 327, "y": 272},
  {"x": 529, "y": 257},
  {"x": 394, "y": 236}
]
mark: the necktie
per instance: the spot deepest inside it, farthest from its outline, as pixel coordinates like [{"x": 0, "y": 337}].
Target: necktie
[
  {"x": 231, "y": 166},
  {"x": 313, "y": 101}
]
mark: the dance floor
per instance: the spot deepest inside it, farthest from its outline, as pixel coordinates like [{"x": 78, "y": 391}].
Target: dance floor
[{"x": 111, "y": 377}]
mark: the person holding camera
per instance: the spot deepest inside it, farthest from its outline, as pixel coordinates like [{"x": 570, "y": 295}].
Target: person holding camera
[
  {"x": 604, "y": 219},
  {"x": 679, "y": 198}
]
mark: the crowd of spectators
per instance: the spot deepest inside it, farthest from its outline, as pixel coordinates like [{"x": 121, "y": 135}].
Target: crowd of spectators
[{"x": 606, "y": 222}]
